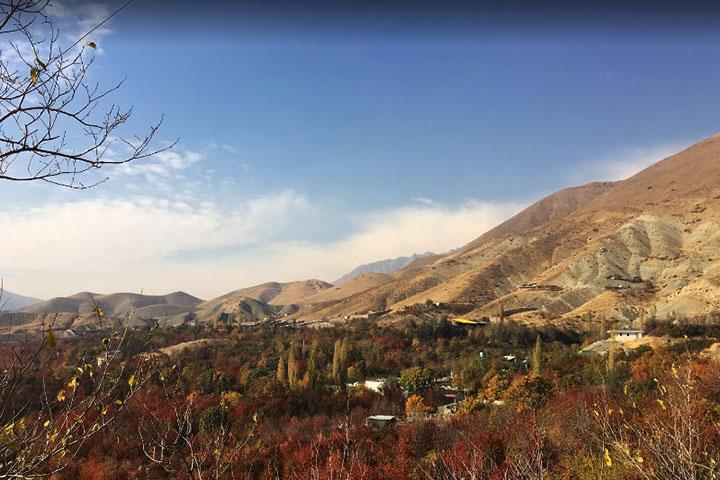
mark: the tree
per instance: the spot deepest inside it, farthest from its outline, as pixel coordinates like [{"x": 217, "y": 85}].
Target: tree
[
  {"x": 178, "y": 440},
  {"x": 54, "y": 125},
  {"x": 673, "y": 436},
  {"x": 529, "y": 392},
  {"x": 612, "y": 351},
  {"x": 50, "y": 410},
  {"x": 282, "y": 370},
  {"x": 415, "y": 379},
  {"x": 537, "y": 358},
  {"x": 336, "y": 361},
  {"x": 416, "y": 405},
  {"x": 470, "y": 374},
  {"x": 292, "y": 368},
  {"x": 313, "y": 365}
]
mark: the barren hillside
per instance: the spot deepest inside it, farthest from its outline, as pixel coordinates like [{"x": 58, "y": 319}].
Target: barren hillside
[
  {"x": 644, "y": 246},
  {"x": 272, "y": 293},
  {"x": 118, "y": 304}
]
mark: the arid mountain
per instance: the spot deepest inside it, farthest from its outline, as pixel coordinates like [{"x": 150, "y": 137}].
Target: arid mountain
[
  {"x": 627, "y": 250},
  {"x": 553, "y": 207},
  {"x": 241, "y": 309},
  {"x": 271, "y": 293},
  {"x": 383, "y": 266},
  {"x": 118, "y": 304},
  {"x": 12, "y": 301},
  {"x": 356, "y": 284}
]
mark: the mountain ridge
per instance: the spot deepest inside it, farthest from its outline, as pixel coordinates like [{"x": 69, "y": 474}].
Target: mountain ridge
[
  {"x": 660, "y": 225},
  {"x": 10, "y": 301},
  {"x": 386, "y": 266}
]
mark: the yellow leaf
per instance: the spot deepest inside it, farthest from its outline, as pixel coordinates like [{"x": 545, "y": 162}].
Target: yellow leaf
[
  {"x": 118, "y": 402},
  {"x": 40, "y": 62},
  {"x": 61, "y": 396},
  {"x": 33, "y": 74},
  {"x": 608, "y": 460},
  {"x": 50, "y": 339},
  {"x": 91, "y": 45},
  {"x": 662, "y": 404},
  {"x": 132, "y": 381},
  {"x": 74, "y": 382}
]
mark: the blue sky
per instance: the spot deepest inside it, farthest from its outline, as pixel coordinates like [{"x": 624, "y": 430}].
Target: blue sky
[{"x": 314, "y": 139}]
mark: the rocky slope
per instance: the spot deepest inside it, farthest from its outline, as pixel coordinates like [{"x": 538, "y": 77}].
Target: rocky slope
[{"x": 644, "y": 246}]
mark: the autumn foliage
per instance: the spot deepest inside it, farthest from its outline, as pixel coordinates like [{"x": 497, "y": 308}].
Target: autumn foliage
[{"x": 269, "y": 404}]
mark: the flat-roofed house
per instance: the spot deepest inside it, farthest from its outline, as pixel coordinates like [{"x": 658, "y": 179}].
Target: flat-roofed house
[{"x": 626, "y": 335}]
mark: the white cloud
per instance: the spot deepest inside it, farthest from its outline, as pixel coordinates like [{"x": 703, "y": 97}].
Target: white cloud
[
  {"x": 161, "y": 164},
  {"x": 95, "y": 235},
  {"x": 625, "y": 163},
  {"x": 424, "y": 201},
  {"x": 386, "y": 234},
  {"x": 160, "y": 245}
]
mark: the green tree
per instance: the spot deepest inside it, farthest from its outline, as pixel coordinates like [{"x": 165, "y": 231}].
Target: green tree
[
  {"x": 313, "y": 365},
  {"x": 470, "y": 374},
  {"x": 415, "y": 379},
  {"x": 292, "y": 368}
]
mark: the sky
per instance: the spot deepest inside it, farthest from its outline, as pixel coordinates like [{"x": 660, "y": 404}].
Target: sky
[{"x": 314, "y": 137}]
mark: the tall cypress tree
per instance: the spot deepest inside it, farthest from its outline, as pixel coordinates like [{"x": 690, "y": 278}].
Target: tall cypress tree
[
  {"x": 313, "y": 365},
  {"x": 292, "y": 368},
  {"x": 344, "y": 360},
  {"x": 537, "y": 358},
  {"x": 336, "y": 361},
  {"x": 611, "y": 353},
  {"x": 282, "y": 375}
]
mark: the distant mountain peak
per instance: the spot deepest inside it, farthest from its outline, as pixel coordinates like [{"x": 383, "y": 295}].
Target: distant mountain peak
[
  {"x": 12, "y": 301},
  {"x": 382, "y": 266}
]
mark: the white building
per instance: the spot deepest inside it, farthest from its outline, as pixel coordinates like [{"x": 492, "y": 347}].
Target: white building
[{"x": 626, "y": 335}]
